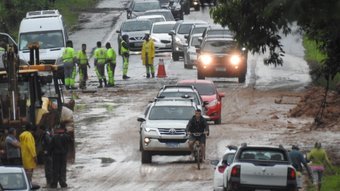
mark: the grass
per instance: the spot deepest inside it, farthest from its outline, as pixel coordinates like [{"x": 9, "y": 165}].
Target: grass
[
  {"x": 314, "y": 58},
  {"x": 329, "y": 183}
]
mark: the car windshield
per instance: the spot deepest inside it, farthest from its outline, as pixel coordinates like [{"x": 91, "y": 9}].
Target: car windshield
[
  {"x": 263, "y": 154},
  {"x": 136, "y": 26},
  {"x": 46, "y": 39},
  {"x": 13, "y": 181},
  {"x": 184, "y": 28},
  {"x": 167, "y": 14},
  {"x": 219, "y": 46},
  {"x": 198, "y": 30},
  {"x": 180, "y": 94},
  {"x": 171, "y": 112},
  {"x": 204, "y": 88},
  {"x": 218, "y": 32},
  {"x": 144, "y": 6},
  {"x": 195, "y": 41},
  {"x": 156, "y": 19},
  {"x": 165, "y": 28}
]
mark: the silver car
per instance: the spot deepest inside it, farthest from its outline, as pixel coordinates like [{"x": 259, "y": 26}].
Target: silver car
[
  {"x": 163, "y": 128},
  {"x": 138, "y": 7},
  {"x": 14, "y": 178}
]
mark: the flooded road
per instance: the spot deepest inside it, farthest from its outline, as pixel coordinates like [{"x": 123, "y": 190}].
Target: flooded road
[{"x": 107, "y": 131}]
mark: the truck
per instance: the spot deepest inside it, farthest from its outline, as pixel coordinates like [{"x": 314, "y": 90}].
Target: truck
[
  {"x": 25, "y": 92},
  {"x": 48, "y": 30}
]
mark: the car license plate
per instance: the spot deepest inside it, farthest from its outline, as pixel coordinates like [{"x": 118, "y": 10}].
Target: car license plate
[
  {"x": 138, "y": 44},
  {"x": 220, "y": 69},
  {"x": 172, "y": 145}
]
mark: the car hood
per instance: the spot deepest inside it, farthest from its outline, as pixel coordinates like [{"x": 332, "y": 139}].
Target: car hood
[
  {"x": 134, "y": 34},
  {"x": 208, "y": 98},
  {"x": 162, "y": 36},
  {"x": 167, "y": 123},
  {"x": 44, "y": 54}
]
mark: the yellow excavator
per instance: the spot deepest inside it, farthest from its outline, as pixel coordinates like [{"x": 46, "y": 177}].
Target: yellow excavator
[{"x": 26, "y": 93}]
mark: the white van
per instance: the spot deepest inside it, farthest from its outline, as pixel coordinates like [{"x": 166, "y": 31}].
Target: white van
[{"x": 46, "y": 27}]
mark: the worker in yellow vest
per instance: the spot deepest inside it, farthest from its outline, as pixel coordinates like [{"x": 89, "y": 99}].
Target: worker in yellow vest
[
  {"x": 83, "y": 63},
  {"x": 125, "y": 51},
  {"x": 99, "y": 63},
  {"x": 69, "y": 61},
  {"x": 148, "y": 55},
  {"x": 111, "y": 64}
]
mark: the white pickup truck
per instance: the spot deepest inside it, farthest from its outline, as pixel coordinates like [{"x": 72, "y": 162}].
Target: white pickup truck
[{"x": 260, "y": 168}]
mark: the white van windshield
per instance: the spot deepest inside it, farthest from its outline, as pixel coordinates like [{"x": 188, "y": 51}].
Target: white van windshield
[{"x": 46, "y": 39}]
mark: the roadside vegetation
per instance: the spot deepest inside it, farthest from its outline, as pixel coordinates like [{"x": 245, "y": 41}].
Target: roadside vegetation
[
  {"x": 12, "y": 11},
  {"x": 330, "y": 182},
  {"x": 315, "y": 60}
]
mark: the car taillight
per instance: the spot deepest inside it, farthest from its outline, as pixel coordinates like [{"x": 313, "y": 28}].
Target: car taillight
[
  {"x": 291, "y": 174},
  {"x": 222, "y": 168},
  {"x": 236, "y": 171}
]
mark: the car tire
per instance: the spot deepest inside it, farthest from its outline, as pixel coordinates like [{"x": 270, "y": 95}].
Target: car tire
[
  {"x": 175, "y": 56},
  {"x": 218, "y": 121},
  {"x": 242, "y": 79},
  {"x": 200, "y": 76},
  {"x": 146, "y": 157},
  {"x": 140, "y": 144}
]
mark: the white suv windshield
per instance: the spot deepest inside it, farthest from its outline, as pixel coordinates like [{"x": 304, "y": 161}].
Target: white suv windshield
[
  {"x": 46, "y": 39},
  {"x": 171, "y": 112},
  {"x": 180, "y": 94},
  {"x": 13, "y": 181}
]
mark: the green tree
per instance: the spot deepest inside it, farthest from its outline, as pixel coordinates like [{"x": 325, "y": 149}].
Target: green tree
[{"x": 257, "y": 25}]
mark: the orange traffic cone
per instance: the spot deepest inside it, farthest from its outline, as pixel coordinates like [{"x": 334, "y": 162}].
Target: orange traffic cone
[{"x": 161, "y": 69}]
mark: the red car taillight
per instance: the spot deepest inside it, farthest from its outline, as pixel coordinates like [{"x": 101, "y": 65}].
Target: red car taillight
[
  {"x": 222, "y": 168},
  {"x": 291, "y": 174},
  {"x": 236, "y": 171}
]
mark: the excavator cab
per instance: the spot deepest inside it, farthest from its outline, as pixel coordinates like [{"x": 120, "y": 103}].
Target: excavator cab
[{"x": 26, "y": 95}]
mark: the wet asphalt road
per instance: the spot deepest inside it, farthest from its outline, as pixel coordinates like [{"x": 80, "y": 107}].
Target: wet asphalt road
[{"x": 107, "y": 131}]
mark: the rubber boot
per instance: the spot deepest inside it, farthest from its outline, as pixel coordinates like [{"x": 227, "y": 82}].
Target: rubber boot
[
  {"x": 100, "y": 84},
  {"x": 105, "y": 83},
  {"x": 125, "y": 77},
  {"x": 153, "y": 75},
  {"x": 147, "y": 75}
]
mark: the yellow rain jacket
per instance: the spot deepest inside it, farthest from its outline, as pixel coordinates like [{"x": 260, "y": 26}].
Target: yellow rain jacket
[
  {"x": 149, "y": 48},
  {"x": 28, "y": 150}
]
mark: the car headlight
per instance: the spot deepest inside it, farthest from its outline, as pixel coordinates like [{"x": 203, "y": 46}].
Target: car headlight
[
  {"x": 178, "y": 40},
  {"x": 147, "y": 129},
  {"x": 235, "y": 59},
  {"x": 206, "y": 59},
  {"x": 212, "y": 103}
]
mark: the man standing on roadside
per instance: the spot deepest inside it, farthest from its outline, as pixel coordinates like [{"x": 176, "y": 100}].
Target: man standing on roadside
[
  {"x": 83, "y": 63},
  {"x": 59, "y": 149},
  {"x": 125, "y": 51},
  {"x": 99, "y": 63},
  {"x": 111, "y": 64},
  {"x": 69, "y": 60},
  {"x": 28, "y": 152},
  {"x": 148, "y": 55},
  {"x": 13, "y": 148}
]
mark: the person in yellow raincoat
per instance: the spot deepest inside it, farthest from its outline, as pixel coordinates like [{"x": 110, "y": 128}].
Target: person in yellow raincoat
[
  {"x": 148, "y": 55},
  {"x": 28, "y": 152}
]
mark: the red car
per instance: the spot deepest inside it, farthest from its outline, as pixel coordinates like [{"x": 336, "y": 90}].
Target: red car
[{"x": 210, "y": 96}]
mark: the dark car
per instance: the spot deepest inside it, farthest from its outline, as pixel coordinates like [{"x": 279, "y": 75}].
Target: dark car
[
  {"x": 215, "y": 30},
  {"x": 221, "y": 57},
  {"x": 165, "y": 12},
  {"x": 135, "y": 29},
  {"x": 138, "y": 7},
  {"x": 176, "y": 8}
]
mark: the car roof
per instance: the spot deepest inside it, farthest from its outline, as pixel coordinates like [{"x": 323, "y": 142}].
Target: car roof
[
  {"x": 165, "y": 23},
  {"x": 158, "y": 10},
  {"x": 174, "y": 103},
  {"x": 178, "y": 90},
  {"x": 149, "y": 16},
  {"x": 8, "y": 169},
  {"x": 192, "y": 22},
  {"x": 262, "y": 146},
  {"x": 219, "y": 39},
  {"x": 141, "y": 1},
  {"x": 135, "y": 19},
  {"x": 194, "y": 81}
]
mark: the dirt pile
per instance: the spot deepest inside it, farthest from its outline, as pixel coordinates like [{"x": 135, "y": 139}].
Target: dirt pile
[{"x": 310, "y": 106}]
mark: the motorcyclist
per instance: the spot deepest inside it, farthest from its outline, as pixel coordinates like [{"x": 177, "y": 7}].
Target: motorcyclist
[{"x": 197, "y": 124}]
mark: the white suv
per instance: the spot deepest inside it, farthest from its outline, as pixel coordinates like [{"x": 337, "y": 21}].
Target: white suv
[
  {"x": 163, "y": 128},
  {"x": 260, "y": 168}
]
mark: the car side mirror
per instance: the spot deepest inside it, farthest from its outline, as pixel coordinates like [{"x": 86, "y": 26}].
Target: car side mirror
[
  {"x": 141, "y": 119},
  {"x": 186, "y": 36},
  {"x": 198, "y": 50},
  {"x": 221, "y": 94},
  {"x": 172, "y": 32},
  {"x": 117, "y": 31}
]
